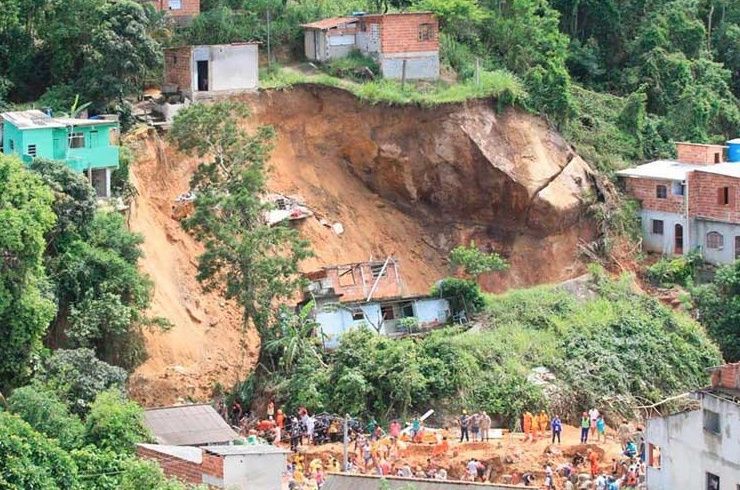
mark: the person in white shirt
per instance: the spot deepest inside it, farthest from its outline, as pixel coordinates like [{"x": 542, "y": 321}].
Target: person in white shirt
[{"x": 593, "y": 414}]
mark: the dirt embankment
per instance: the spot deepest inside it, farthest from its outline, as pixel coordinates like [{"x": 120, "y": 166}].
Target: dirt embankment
[{"x": 402, "y": 181}]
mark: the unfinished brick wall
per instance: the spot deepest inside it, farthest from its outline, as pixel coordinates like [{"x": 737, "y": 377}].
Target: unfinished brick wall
[
  {"x": 355, "y": 281},
  {"x": 188, "y": 8},
  {"x": 183, "y": 470},
  {"x": 644, "y": 190},
  {"x": 399, "y": 33},
  {"x": 700, "y": 154},
  {"x": 707, "y": 196},
  {"x": 178, "y": 68},
  {"x": 727, "y": 376}
]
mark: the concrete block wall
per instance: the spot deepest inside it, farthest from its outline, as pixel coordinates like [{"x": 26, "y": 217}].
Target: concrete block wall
[
  {"x": 644, "y": 190},
  {"x": 705, "y": 192},
  {"x": 417, "y": 67},
  {"x": 700, "y": 154},
  {"x": 184, "y": 470},
  {"x": 178, "y": 68}
]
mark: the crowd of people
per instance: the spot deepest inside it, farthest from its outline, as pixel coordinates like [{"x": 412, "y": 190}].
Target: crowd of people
[{"x": 375, "y": 451}]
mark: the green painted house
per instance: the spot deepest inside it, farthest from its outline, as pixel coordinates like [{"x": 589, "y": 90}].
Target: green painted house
[{"x": 89, "y": 146}]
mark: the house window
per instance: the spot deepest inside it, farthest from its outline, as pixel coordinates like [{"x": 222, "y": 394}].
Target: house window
[
  {"x": 426, "y": 32},
  {"x": 712, "y": 481},
  {"x": 657, "y": 226},
  {"x": 711, "y": 421},
  {"x": 358, "y": 314},
  {"x": 723, "y": 196},
  {"x": 386, "y": 312},
  {"x": 77, "y": 140},
  {"x": 12, "y": 144},
  {"x": 678, "y": 189},
  {"x": 32, "y": 150},
  {"x": 715, "y": 240},
  {"x": 346, "y": 276},
  {"x": 661, "y": 192},
  {"x": 175, "y": 4},
  {"x": 717, "y": 157},
  {"x": 407, "y": 310},
  {"x": 376, "y": 269}
]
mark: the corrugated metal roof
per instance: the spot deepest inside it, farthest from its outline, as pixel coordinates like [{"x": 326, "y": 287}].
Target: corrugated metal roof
[
  {"x": 188, "y": 425},
  {"x": 31, "y": 119},
  {"x": 34, "y": 118},
  {"x": 338, "y": 481},
  {"x": 240, "y": 449},
  {"x": 329, "y": 23}
]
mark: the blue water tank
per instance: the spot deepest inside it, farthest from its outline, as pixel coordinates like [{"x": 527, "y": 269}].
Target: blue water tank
[{"x": 733, "y": 150}]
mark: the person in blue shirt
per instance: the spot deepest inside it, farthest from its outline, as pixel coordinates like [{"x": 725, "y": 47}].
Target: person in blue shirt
[
  {"x": 557, "y": 427},
  {"x": 600, "y": 428}
]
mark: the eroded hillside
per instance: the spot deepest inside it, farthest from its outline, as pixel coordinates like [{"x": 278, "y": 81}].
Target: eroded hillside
[{"x": 402, "y": 181}]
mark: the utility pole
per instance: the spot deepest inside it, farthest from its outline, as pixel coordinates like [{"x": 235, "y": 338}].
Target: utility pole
[
  {"x": 345, "y": 458},
  {"x": 477, "y": 70},
  {"x": 269, "y": 56}
]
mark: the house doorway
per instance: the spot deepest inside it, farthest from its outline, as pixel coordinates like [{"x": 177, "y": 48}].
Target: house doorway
[
  {"x": 202, "y": 74},
  {"x": 737, "y": 247},
  {"x": 678, "y": 240}
]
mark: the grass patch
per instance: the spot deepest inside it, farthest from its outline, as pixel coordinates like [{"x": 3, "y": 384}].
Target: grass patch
[{"x": 501, "y": 85}]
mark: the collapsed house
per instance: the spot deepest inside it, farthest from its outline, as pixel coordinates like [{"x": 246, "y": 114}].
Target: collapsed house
[{"x": 372, "y": 294}]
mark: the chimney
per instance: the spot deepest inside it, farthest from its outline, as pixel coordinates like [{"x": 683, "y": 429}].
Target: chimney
[
  {"x": 727, "y": 376},
  {"x": 700, "y": 154}
]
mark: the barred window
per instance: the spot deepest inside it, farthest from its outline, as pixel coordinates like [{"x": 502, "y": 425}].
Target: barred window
[{"x": 715, "y": 240}]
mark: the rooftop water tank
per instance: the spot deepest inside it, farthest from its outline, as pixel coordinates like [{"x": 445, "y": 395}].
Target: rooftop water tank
[{"x": 733, "y": 150}]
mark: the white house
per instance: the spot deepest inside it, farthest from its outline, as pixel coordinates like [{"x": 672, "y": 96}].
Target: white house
[{"x": 699, "y": 449}]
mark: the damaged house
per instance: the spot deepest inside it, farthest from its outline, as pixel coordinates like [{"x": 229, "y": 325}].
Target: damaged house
[{"x": 372, "y": 294}]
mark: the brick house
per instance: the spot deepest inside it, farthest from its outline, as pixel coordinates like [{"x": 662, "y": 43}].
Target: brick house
[
  {"x": 689, "y": 204},
  {"x": 405, "y": 44},
  {"x": 243, "y": 467},
  {"x": 202, "y": 71},
  {"x": 182, "y": 11},
  {"x": 370, "y": 293}
]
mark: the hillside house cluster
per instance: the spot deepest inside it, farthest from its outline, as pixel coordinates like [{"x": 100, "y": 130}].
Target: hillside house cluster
[
  {"x": 405, "y": 44},
  {"x": 699, "y": 448},
  {"x": 88, "y": 146},
  {"x": 692, "y": 203},
  {"x": 369, "y": 293}
]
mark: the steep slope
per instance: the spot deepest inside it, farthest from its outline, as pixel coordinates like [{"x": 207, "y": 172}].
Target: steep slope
[{"x": 402, "y": 181}]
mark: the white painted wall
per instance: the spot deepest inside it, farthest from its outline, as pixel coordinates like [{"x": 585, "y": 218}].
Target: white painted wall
[
  {"x": 724, "y": 255},
  {"x": 253, "y": 471},
  {"x": 662, "y": 243},
  {"x": 234, "y": 67},
  {"x": 432, "y": 310},
  {"x": 688, "y": 451}
]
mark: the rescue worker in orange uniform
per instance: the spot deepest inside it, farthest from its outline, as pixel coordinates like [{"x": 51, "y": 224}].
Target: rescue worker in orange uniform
[
  {"x": 544, "y": 420},
  {"x": 527, "y": 425}
]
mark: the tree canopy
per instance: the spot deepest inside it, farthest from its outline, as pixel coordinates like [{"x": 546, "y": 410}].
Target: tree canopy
[
  {"x": 253, "y": 262},
  {"x": 26, "y": 305}
]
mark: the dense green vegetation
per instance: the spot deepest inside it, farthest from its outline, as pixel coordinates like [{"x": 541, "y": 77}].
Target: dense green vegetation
[
  {"x": 617, "y": 349},
  {"x": 718, "y": 307}
]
